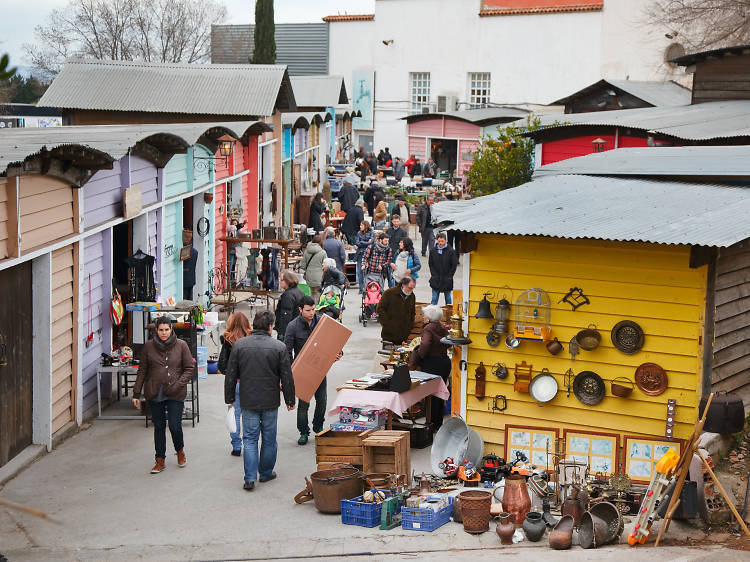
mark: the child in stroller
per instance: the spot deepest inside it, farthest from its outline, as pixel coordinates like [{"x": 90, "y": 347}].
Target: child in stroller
[
  {"x": 374, "y": 284},
  {"x": 331, "y": 302}
]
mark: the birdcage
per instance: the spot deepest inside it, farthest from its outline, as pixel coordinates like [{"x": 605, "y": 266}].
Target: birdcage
[{"x": 532, "y": 309}]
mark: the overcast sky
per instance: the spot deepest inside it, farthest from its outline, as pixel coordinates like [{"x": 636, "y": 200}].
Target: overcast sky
[{"x": 19, "y": 17}]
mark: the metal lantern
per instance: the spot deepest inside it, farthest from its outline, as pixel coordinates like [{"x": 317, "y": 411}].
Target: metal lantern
[
  {"x": 485, "y": 308},
  {"x": 225, "y": 147},
  {"x": 500, "y": 327},
  {"x": 456, "y": 334}
]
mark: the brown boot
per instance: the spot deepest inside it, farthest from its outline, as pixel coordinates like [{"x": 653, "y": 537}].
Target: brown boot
[
  {"x": 159, "y": 466},
  {"x": 181, "y": 459}
]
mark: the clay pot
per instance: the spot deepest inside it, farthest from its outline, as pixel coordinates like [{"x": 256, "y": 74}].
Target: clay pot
[
  {"x": 561, "y": 535},
  {"x": 534, "y": 526},
  {"x": 505, "y": 529},
  {"x": 516, "y": 500}
]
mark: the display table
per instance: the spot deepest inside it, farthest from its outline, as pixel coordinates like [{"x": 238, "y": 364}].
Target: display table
[
  {"x": 120, "y": 371},
  {"x": 395, "y": 402}
]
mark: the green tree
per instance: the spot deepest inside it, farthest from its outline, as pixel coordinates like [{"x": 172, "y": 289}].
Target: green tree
[
  {"x": 5, "y": 72},
  {"x": 264, "y": 50},
  {"x": 503, "y": 161}
]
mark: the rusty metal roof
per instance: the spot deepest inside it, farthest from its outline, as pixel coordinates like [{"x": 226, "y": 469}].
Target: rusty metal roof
[
  {"x": 608, "y": 209},
  {"x": 250, "y": 90}
]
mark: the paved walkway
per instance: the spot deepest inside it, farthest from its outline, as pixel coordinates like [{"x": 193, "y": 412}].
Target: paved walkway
[{"x": 97, "y": 484}]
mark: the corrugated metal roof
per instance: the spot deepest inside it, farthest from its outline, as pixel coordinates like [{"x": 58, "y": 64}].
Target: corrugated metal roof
[
  {"x": 704, "y": 121},
  {"x": 28, "y": 110},
  {"x": 687, "y": 60},
  {"x": 302, "y": 47},
  {"x": 486, "y": 115},
  {"x": 658, "y": 94},
  {"x": 303, "y": 120},
  {"x": 703, "y": 161},
  {"x": 199, "y": 89},
  {"x": 319, "y": 91},
  {"x": 608, "y": 209},
  {"x": 16, "y": 145}
]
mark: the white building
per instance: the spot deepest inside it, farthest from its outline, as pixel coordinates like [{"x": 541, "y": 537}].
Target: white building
[{"x": 457, "y": 54}]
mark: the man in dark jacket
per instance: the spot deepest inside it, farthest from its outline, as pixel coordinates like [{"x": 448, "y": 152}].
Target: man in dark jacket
[
  {"x": 387, "y": 157},
  {"x": 287, "y": 308},
  {"x": 297, "y": 333},
  {"x": 395, "y": 234},
  {"x": 352, "y": 220},
  {"x": 369, "y": 198},
  {"x": 396, "y": 311},
  {"x": 347, "y": 196},
  {"x": 334, "y": 248},
  {"x": 262, "y": 366},
  {"x": 424, "y": 222},
  {"x": 416, "y": 169},
  {"x": 372, "y": 162},
  {"x": 398, "y": 168},
  {"x": 443, "y": 262}
]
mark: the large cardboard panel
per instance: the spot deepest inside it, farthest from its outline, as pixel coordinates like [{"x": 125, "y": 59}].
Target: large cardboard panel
[{"x": 317, "y": 355}]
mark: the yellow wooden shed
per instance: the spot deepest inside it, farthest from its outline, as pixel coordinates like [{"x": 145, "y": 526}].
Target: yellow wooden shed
[{"x": 649, "y": 252}]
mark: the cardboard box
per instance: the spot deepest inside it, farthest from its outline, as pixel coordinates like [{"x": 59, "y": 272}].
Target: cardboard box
[{"x": 317, "y": 355}]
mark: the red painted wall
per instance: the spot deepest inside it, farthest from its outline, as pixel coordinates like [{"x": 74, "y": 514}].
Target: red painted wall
[
  {"x": 417, "y": 146},
  {"x": 220, "y": 225},
  {"x": 554, "y": 151},
  {"x": 250, "y": 183},
  {"x": 461, "y": 129}
]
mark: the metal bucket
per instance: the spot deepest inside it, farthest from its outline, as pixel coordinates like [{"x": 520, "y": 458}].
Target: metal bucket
[
  {"x": 329, "y": 487},
  {"x": 451, "y": 440},
  {"x": 474, "y": 448}
]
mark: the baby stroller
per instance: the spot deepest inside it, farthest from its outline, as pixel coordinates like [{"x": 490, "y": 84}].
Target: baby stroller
[
  {"x": 374, "y": 284},
  {"x": 331, "y": 302}
]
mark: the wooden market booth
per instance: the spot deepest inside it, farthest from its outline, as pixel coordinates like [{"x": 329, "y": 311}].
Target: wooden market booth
[{"x": 651, "y": 253}]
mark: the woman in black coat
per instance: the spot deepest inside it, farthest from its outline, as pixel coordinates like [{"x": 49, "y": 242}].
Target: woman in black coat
[
  {"x": 317, "y": 208},
  {"x": 287, "y": 309}
]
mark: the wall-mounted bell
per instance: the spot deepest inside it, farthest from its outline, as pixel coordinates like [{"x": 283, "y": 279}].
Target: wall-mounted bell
[{"x": 485, "y": 308}]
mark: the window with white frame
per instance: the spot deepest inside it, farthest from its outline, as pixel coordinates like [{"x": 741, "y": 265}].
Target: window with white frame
[
  {"x": 479, "y": 89},
  {"x": 420, "y": 90}
]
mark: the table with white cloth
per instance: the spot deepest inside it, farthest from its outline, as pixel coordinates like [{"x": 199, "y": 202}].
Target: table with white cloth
[{"x": 394, "y": 402}]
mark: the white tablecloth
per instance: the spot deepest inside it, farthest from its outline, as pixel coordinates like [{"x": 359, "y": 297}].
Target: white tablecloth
[{"x": 396, "y": 402}]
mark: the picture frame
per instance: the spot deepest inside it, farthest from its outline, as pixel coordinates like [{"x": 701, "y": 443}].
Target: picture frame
[
  {"x": 640, "y": 454},
  {"x": 537, "y": 443},
  {"x": 185, "y": 252},
  {"x": 599, "y": 449}
]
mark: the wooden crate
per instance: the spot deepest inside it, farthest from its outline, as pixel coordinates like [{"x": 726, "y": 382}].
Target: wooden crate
[
  {"x": 333, "y": 447},
  {"x": 387, "y": 451}
]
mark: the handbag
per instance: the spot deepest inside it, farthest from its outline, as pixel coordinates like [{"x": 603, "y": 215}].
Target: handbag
[{"x": 118, "y": 310}]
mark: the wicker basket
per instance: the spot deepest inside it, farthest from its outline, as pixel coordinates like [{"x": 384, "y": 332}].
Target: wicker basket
[{"x": 475, "y": 510}]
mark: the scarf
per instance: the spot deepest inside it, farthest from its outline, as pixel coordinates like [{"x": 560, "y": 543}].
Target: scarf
[
  {"x": 165, "y": 345},
  {"x": 380, "y": 246}
]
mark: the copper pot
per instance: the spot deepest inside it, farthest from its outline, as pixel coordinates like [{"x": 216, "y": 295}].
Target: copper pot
[
  {"x": 516, "y": 500},
  {"x": 574, "y": 506},
  {"x": 554, "y": 346},
  {"x": 505, "y": 529}
]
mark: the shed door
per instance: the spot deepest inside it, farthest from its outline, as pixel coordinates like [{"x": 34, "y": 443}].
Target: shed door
[{"x": 15, "y": 377}]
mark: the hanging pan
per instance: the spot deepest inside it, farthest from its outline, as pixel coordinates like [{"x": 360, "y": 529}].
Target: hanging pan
[
  {"x": 589, "y": 339},
  {"x": 589, "y": 388},
  {"x": 627, "y": 337},
  {"x": 543, "y": 387},
  {"x": 622, "y": 387}
]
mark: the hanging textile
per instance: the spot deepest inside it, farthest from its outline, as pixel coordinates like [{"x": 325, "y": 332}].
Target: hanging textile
[{"x": 141, "y": 277}]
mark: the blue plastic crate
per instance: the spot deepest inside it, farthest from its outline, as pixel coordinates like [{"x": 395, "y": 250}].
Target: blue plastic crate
[
  {"x": 425, "y": 519},
  {"x": 356, "y": 512}
]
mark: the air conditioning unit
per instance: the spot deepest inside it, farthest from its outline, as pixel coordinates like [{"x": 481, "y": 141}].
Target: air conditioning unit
[
  {"x": 446, "y": 103},
  {"x": 429, "y": 108}
]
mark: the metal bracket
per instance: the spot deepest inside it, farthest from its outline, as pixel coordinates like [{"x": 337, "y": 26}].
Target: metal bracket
[
  {"x": 575, "y": 298},
  {"x": 494, "y": 407}
]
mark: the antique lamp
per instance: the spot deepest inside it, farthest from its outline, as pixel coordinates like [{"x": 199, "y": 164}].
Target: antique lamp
[
  {"x": 500, "y": 327},
  {"x": 456, "y": 334}
]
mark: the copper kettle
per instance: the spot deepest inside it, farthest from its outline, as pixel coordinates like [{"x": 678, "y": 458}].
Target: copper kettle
[{"x": 554, "y": 346}]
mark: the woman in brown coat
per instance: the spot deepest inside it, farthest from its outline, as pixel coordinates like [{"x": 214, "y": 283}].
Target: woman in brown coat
[
  {"x": 432, "y": 357},
  {"x": 165, "y": 370},
  {"x": 378, "y": 219}
]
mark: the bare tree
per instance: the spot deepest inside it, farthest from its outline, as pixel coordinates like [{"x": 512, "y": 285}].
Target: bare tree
[
  {"x": 148, "y": 30},
  {"x": 703, "y": 24}
]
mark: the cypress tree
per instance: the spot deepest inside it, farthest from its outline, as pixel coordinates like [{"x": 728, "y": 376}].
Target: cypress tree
[{"x": 264, "y": 50}]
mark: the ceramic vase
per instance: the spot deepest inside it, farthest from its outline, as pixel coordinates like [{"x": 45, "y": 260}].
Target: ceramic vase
[
  {"x": 516, "y": 500},
  {"x": 534, "y": 526},
  {"x": 505, "y": 529}
]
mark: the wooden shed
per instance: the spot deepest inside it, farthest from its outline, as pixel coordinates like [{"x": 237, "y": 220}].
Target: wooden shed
[{"x": 666, "y": 257}]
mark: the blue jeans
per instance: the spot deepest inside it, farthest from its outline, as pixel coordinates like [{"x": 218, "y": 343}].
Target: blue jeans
[
  {"x": 360, "y": 273},
  {"x": 236, "y": 437},
  {"x": 259, "y": 423},
  {"x": 319, "y": 417},
  {"x": 436, "y": 297},
  {"x": 163, "y": 413}
]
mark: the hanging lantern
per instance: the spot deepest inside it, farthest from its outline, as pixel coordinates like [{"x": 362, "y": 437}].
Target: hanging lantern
[{"x": 500, "y": 327}]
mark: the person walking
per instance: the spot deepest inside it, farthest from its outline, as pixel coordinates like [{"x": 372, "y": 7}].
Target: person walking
[
  {"x": 395, "y": 234},
  {"x": 312, "y": 265},
  {"x": 352, "y": 220},
  {"x": 402, "y": 209},
  {"x": 398, "y": 169},
  {"x": 431, "y": 356},
  {"x": 261, "y": 365},
  {"x": 297, "y": 333},
  {"x": 317, "y": 208},
  {"x": 238, "y": 326},
  {"x": 332, "y": 275},
  {"x": 396, "y": 311},
  {"x": 407, "y": 262},
  {"x": 381, "y": 212},
  {"x": 363, "y": 241},
  {"x": 369, "y": 198},
  {"x": 424, "y": 222},
  {"x": 443, "y": 262},
  {"x": 287, "y": 308},
  {"x": 334, "y": 248},
  {"x": 164, "y": 372},
  {"x": 377, "y": 258},
  {"x": 348, "y": 195}
]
